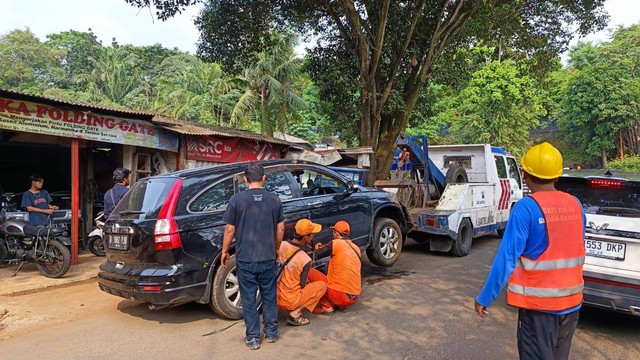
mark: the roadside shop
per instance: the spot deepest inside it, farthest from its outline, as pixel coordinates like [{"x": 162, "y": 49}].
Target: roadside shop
[{"x": 76, "y": 147}]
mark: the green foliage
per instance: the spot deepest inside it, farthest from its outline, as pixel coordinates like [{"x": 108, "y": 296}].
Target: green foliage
[
  {"x": 188, "y": 88},
  {"x": 499, "y": 103},
  {"x": 267, "y": 94},
  {"x": 79, "y": 48},
  {"x": 628, "y": 163},
  {"x": 231, "y": 37},
  {"x": 600, "y": 106},
  {"x": 165, "y": 9},
  {"x": 26, "y": 64}
]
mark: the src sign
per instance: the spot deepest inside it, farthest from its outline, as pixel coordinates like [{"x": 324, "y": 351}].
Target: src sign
[
  {"x": 43, "y": 119},
  {"x": 214, "y": 149}
]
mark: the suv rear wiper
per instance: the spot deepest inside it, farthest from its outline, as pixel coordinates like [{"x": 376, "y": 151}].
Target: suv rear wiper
[
  {"x": 618, "y": 211},
  {"x": 126, "y": 212}
]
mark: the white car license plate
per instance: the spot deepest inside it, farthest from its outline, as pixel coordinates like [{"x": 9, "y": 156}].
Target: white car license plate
[
  {"x": 119, "y": 242},
  {"x": 605, "y": 249}
]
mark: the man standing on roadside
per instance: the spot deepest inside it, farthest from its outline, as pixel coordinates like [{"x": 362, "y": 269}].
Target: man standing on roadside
[
  {"x": 112, "y": 196},
  {"x": 541, "y": 258},
  {"x": 256, "y": 218},
  {"x": 36, "y": 201}
]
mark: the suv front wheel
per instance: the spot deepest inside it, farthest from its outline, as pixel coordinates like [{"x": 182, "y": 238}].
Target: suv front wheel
[{"x": 387, "y": 242}]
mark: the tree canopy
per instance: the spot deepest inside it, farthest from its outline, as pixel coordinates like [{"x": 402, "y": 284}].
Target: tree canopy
[
  {"x": 601, "y": 101},
  {"x": 383, "y": 52}
]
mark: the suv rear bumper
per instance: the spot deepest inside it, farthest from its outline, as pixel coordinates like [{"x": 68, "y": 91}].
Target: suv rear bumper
[
  {"x": 174, "y": 287},
  {"x": 611, "y": 294}
]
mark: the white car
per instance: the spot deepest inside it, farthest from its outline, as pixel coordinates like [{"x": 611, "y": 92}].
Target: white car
[{"x": 612, "y": 242}]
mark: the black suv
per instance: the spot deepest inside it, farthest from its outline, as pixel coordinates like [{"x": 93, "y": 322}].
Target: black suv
[{"x": 164, "y": 237}]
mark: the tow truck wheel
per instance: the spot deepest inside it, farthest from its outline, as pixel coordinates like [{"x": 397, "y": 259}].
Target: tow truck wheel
[
  {"x": 462, "y": 244},
  {"x": 387, "y": 242}
]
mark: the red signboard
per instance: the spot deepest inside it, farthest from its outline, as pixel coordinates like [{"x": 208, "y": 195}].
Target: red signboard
[{"x": 215, "y": 149}]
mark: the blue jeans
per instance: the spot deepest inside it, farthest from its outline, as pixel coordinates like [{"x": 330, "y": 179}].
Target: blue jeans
[{"x": 251, "y": 277}]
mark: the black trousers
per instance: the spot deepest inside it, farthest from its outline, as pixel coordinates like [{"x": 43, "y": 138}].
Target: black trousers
[{"x": 543, "y": 336}]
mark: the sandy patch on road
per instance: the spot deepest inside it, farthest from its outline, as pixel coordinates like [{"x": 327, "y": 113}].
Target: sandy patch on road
[{"x": 47, "y": 307}]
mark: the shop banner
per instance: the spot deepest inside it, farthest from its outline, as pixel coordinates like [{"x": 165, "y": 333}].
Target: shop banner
[
  {"x": 213, "y": 149},
  {"x": 44, "y": 119}
]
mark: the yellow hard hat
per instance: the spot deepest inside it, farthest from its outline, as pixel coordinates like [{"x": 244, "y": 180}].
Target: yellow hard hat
[{"x": 543, "y": 161}]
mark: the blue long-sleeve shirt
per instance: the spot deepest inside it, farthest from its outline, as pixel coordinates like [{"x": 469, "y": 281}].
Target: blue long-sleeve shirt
[
  {"x": 112, "y": 197},
  {"x": 526, "y": 234}
]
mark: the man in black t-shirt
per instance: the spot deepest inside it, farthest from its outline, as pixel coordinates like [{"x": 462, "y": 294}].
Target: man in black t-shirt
[{"x": 256, "y": 218}]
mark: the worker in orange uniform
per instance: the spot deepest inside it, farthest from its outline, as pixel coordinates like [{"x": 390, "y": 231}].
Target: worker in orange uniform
[
  {"x": 295, "y": 292},
  {"x": 540, "y": 258},
  {"x": 343, "y": 275},
  {"x": 403, "y": 158}
]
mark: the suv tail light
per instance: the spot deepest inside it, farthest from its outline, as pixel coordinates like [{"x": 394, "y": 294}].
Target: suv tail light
[
  {"x": 166, "y": 230},
  {"x": 606, "y": 184}
]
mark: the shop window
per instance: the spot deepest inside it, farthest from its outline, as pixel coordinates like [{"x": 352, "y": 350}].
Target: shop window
[{"x": 215, "y": 198}]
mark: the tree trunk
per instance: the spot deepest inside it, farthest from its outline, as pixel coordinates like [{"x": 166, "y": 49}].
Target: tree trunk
[{"x": 391, "y": 127}]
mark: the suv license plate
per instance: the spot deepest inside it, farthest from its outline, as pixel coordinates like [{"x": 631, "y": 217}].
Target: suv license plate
[
  {"x": 118, "y": 242},
  {"x": 605, "y": 249}
]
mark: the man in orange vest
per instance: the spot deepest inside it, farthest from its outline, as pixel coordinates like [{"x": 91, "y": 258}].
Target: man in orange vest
[
  {"x": 295, "y": 292},
  {"x": 343, "y": 274},
  {"x": 541, "y": 256}
]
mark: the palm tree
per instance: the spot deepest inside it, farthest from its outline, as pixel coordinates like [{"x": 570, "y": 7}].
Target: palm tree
[
  {"x": 267, "y": 96},
  {"x": 113, "y": 76},
  {"x": 192, "y": 89}
]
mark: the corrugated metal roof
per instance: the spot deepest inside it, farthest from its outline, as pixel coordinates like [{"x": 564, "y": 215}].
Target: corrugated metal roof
[
  {"x": 144, "y": 115},
  {"x": 191, "y": 128},
  {"x": 171, "y": 124},
  {"x": 290, "y": 138}
]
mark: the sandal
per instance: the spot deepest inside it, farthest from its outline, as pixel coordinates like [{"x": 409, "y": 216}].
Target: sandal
[{"x": 299, "y": 321}]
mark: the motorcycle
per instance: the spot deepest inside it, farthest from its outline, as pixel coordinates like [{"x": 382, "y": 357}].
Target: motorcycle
[
  {"x": 96, "y": 240},
  {"x": 46, "y": 246}
]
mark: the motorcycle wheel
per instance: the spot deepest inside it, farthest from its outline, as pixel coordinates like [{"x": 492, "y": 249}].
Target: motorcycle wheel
[
  {"x": 56, "y": 261},
  {"x": 96, "y": 246},
  {"x": 4, "y": 252}
]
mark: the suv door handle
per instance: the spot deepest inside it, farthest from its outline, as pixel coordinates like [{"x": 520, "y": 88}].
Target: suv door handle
[{"x": 315, "y": 203}]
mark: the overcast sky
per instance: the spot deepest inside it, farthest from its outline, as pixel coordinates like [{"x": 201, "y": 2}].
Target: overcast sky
[{"x": 129, "y": 25}]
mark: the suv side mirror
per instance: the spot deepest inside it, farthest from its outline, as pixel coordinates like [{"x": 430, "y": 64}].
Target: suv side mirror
[{"x": 351, "y": 187}]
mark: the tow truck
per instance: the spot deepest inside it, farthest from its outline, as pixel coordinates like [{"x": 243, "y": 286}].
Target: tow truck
[{"x": 455, "y": 193}]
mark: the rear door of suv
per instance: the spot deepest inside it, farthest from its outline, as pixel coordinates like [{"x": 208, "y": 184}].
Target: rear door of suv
[{"x": 129, "y": 231}]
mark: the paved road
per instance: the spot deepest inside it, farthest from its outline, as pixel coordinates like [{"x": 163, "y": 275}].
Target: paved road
[{"x": 419, "y": 309}]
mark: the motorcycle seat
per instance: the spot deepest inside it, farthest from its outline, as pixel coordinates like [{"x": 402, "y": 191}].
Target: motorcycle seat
[{"x": 31, "y": 230}]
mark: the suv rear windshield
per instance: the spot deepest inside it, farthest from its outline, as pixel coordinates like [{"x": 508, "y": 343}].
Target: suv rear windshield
[
  {"x": 145, "y": 198},
  {"x": 603, "y": 195}
]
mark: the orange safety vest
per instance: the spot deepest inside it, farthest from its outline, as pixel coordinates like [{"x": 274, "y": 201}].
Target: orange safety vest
[
  {"x": 289, "y": 292},
  {"x": 553, "y": 281},
  {"x": 343, "y": 273}
]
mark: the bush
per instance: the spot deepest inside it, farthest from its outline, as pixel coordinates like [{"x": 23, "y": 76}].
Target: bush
[{"x": 628, "y": 163}]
